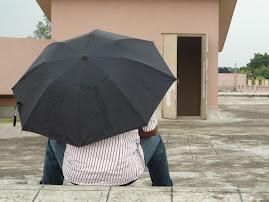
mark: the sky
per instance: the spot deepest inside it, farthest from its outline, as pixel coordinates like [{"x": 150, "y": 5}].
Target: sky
[
  {"x": 18, "y": 18},
  {"x": 248, "y": 33}
]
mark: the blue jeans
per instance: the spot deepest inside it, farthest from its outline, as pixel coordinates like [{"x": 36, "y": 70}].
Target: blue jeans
[
  {"x": 52, "y": 171},
  {"x": 156, "y": 160},
  {"x": 154, "y": 155}
]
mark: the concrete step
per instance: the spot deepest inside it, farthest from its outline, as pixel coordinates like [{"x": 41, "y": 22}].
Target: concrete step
[{"x": 129, "y": 193}]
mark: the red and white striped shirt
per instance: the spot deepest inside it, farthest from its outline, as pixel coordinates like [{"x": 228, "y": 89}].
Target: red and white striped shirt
[{"x": 114, "y": 161}]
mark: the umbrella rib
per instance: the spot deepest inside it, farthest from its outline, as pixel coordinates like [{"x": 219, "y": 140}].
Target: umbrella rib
[
  {"x": 69, "y": 47},
  {"x": 52, "y": 60},
  {"x": 124, "y": 95},
  {"x": 141, "y": 63},
  {"x": 100, "y": 48},
  {"x": 44, "y": 92},
  {"x": 38, "y": 66},
  {"x": 78, "y": 105}
]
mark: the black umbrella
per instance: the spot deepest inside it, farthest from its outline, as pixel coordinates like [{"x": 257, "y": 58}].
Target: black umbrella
[{"x": 92, "y": 87}]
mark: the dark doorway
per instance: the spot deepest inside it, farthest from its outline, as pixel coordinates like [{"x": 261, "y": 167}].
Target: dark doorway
[{"x": 189, "y": 75}]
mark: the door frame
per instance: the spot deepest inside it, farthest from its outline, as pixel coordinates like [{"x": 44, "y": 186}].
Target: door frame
[{"x": 169, "y": 53}]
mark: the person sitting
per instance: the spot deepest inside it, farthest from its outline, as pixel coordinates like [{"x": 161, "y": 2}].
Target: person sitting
[{"x": 118, "y": 160}]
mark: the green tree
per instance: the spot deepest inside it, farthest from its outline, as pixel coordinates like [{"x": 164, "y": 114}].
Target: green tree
[
  {"x": 43, "y": 30},
  {"x": 245, "y": 71},
  {"x": 262, "y": 72},
  {"x": 258, "y": 67},
  {"x": 259, "y": 61}
]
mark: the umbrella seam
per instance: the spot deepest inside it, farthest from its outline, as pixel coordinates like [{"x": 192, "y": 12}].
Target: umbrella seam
[
  {"x": 43, "y": 93},
  {"x": 124, "y": 95},
  {"x": 37, "y": 67},
  {"x": 78, "y": 107},
  {"x": 54, "y": 60},
  {"x": 96, "y": 51},
  {"x": 141, "y": 63},
  {"x": 60, "y": 42}
]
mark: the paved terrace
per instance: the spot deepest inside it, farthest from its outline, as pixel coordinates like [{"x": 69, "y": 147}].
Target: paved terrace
[{"x": 216, "y": 160}]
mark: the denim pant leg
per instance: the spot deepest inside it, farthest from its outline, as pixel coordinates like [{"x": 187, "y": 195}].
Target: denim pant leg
[
  {"x": 52, "y": 172},
  {"x": 156, "y": 160}
]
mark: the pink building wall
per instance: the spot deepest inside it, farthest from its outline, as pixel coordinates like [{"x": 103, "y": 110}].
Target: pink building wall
[
  {"x": 241, "y": 79},
  {"x": 264, "y": 89},
  {"x": 228, "y": 81},
  {"x": 253, "y": 88},
  {"x": 146, "y": 19},
  {"x": 17, "y": 55}
]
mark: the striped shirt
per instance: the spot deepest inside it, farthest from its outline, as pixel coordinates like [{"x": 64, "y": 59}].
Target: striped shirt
[{"x": 114, "y": 161}]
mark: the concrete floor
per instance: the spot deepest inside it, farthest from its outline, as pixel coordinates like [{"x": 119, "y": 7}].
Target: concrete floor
[{"x": 226, "y": 159}]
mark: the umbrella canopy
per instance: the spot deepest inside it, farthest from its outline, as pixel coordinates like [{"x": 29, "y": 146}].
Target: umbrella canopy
[{"x": 92, "y": 87}]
